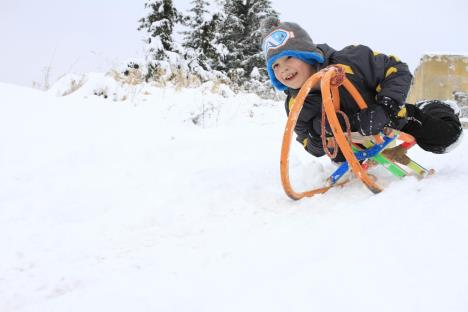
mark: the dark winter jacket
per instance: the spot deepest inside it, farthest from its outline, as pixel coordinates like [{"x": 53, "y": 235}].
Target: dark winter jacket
[{"x": 372, "y": 73}]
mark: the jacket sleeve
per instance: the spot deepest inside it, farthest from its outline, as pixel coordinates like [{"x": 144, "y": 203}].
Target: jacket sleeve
[
  {"x": 387, "y": 75},
  {"x": 304, "y": 129}
]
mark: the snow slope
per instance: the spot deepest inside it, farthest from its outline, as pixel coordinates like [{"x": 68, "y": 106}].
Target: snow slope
[{"x": 130, "y": 206}]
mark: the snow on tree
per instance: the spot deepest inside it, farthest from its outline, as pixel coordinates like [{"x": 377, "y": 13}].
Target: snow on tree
[
  {"x": 239, "y": 34},
  {"x": 200, "y": 37},
  {"x": 158, "y": 25}
]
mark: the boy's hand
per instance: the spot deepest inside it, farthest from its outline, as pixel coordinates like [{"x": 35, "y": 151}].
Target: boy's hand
[
  {"x": 390, "y": 105},
  {"x": 392, "y": 108},
  {"x": 369, "y": 121}
]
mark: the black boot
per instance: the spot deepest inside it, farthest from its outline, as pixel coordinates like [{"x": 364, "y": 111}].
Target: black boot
[{"x": 434, "y": 124}]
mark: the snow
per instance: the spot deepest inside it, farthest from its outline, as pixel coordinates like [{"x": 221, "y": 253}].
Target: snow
[{"x": 131, "y": 206}]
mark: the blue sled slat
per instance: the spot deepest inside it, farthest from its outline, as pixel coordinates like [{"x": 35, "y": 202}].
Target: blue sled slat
[{"x": 360, "y": 155}]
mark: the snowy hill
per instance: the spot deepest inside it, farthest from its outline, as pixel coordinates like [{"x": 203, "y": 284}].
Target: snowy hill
[{"x": 171, "y": 201}]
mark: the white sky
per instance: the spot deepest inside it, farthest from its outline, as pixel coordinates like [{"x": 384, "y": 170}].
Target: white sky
[{"x": 90, "y": 35}]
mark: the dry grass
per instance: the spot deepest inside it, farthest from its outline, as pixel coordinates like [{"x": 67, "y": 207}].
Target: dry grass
[
  {"x": 131, "y": 76},
  {"x": 75, "y": 85}
]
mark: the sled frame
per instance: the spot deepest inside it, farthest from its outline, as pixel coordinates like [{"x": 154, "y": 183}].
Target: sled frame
[{"x": 357, "y": 156}]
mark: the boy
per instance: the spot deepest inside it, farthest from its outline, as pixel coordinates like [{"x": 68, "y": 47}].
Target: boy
[{"x": 383, "y": 81}]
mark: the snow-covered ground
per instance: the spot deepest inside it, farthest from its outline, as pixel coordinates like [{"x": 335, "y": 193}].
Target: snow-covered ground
[{"x": 131, "y": 206}]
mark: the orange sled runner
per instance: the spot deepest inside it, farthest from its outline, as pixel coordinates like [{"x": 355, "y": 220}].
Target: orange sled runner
[{"x": 360, "y": 153}]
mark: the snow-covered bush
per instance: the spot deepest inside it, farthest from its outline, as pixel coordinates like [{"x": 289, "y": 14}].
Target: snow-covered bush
[{"x": 130, "y": 72}]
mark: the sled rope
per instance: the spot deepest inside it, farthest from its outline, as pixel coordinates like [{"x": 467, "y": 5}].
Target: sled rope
[{"x": 331, "y": 142}]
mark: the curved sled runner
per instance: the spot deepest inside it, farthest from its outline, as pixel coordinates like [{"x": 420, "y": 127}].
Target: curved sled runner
[{"x": 360, "y": 153}]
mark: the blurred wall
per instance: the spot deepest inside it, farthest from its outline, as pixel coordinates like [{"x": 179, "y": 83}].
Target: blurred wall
[{"x": 440, "y": 77}]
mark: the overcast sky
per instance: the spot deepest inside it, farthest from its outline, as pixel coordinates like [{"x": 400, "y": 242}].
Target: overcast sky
[{"x": 93, "y": 35}]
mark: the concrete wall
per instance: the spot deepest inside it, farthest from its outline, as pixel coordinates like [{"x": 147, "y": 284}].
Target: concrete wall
[{"x": 439, "y": 77}]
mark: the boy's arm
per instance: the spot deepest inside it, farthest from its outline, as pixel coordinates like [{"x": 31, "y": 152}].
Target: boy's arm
[
  {"x": 304, "y": 127},
  {"x": 387, "y": 75},
  {"x": 389, "y": 78}
]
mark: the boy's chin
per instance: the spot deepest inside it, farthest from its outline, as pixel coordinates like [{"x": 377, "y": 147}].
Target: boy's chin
[{"x": 294, "y": 85}]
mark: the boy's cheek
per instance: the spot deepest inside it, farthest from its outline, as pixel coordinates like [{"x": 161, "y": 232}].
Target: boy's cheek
[{"x": 279, "y": 78}]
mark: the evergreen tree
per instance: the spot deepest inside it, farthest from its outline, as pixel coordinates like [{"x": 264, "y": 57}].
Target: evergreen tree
[
  {"x": 194, "y": 37},
  {"x": 159, "y": 25},
  {"x": 201, "y": 34},
  {"x": 209, "y": 45},
  {"x": 239, "y": 33}
]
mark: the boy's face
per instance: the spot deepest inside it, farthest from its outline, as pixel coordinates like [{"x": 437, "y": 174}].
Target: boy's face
[{"x": 292, "y": 72}]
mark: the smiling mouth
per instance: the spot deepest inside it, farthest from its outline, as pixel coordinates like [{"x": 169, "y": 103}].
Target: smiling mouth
[{"x": 290, "y": 76}]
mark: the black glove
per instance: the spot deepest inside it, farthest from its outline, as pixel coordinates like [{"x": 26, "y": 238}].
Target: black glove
[
  {"x": 390, "y": 105},
  {"x": 392, "y": 108},
  {"x": 370, "y": 121}
]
